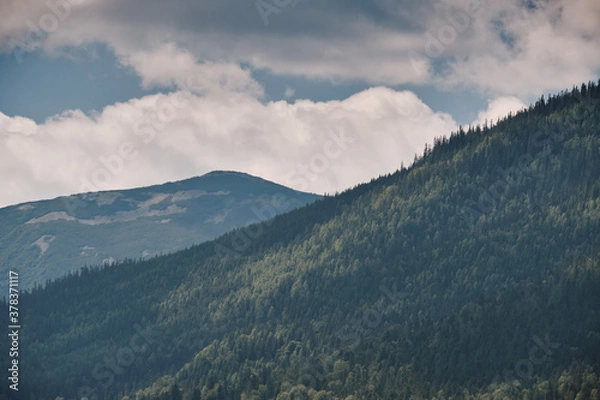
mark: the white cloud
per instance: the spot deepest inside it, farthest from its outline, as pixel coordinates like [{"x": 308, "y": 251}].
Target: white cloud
[
  {"x": 314, "y": 146},
  {"x": 214, "y": 119},
  {"x": 27, "y": 24},
  {"x": 525, "y": 52},
  {"x": 170, "y": 66},
  {"x": 499, "y": 108}
]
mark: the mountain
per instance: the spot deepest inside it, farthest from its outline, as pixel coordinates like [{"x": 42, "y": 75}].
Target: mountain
[
  {"x": 46, "y": 239},
  {"x": 473, "y": 274}
]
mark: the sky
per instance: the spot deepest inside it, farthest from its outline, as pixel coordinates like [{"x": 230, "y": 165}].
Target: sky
[{"x": 315, "y": 95}]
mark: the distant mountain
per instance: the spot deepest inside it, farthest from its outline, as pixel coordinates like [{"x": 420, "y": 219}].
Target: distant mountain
[
  {"x": 473, "y": 274},
  {"x": 46, "y": 239}
]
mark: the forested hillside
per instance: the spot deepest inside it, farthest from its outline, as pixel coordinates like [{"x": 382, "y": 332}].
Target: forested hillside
[{"x": 475, "y": 273}]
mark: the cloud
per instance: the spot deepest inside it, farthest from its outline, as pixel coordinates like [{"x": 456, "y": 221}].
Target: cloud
[
  {"x": 312, "y": 146},
  {"x": 525, "y": 51},
  {"x": 340, "y": 40},
  {"x": 28, "y": 24},
  {"x": 170, "y": 66},
  {"x": 499, "y": 108},
  {"x": 215, "y": 116},
  {"x": 497, "y": 48},
  {"x": 289, "y": 92}
]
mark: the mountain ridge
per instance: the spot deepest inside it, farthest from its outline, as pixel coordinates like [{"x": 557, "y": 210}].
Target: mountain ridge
[
  {"x": 97, "y": 227},
  {"x": 210, "y": 174}
]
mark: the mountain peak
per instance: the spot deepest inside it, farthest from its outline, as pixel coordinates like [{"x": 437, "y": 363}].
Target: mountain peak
[{"x": 225, "y": 173}]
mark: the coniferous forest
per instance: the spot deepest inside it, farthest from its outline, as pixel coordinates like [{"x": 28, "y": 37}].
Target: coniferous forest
[{"x": 472, "y": 274}]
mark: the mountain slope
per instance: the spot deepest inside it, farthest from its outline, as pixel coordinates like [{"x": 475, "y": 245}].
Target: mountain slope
[
  {"x": 47, "y": 239},
  {"x": 472, "y": 274}
]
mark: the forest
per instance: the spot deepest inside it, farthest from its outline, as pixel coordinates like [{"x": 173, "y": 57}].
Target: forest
[{"x": 472, "y": 274}]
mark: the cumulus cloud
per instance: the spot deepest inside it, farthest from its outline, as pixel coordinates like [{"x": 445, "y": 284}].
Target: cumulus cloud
[
  {"x": 215, "y": 116},
  {"x": 312, "y": 146},
  {"x": 170, "y": 66},
  {"x": 499, "y": 108}
]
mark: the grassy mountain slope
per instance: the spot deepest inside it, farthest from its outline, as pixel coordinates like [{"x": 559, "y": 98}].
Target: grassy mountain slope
[
  {"x": 474, "y": 273},
  {"x": 47, "y": 239}
]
